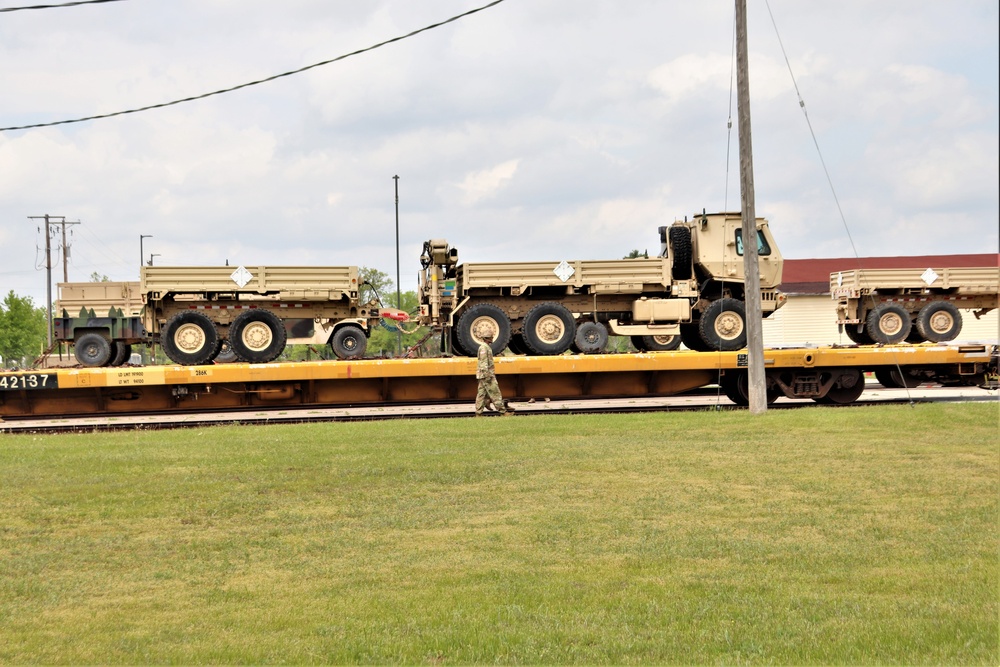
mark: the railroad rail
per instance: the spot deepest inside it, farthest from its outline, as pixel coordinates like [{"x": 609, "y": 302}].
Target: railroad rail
[{"x": 828, "y": 374}]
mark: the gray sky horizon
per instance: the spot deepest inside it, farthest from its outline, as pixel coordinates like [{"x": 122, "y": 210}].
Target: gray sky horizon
[{"x": 533, "y": 130}]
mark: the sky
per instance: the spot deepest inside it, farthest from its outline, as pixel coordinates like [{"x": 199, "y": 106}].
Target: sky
[{"x": 531, "y": 130}]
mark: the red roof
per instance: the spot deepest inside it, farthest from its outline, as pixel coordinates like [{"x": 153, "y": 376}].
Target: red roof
[{"x": 812, "y": 276}]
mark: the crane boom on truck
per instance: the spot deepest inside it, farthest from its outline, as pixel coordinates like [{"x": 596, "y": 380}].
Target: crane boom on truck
[
  {"x": 892, "y": 305},
  {"x": 693, "y": 292}
]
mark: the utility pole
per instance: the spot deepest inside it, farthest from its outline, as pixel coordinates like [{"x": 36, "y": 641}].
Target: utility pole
[
  {"x": 66, "y": 249},
  {"x": 50, "y": 220},
  {"x": 756, "y": 386},
  {"x": 399, "y": 297}
]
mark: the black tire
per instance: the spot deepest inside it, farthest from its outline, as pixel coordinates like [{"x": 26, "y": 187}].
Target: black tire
[
  {"x": 349, "y": 342},
  {"x": 549, "y": 328},
  {"x": 456, "y": 345},
  {"x": 189, "y": 338},
  {"x": 859, "y": 336},
  {"x": 939, "y": 321},
  {"x": 92, "y": 350},
  {"x": 888, "y": 323},
  {"x": 638, "y": 343},
  {"x": 661, "y": 343},
  {"x": 915, "y": 336},
  {"x": 680, "y": 244},
  {"x": 516, "y": 344},
  {"x": 257, "y": 336},
  {"x": 723, "y": 325},
  {"x": 691, "y": 337},
  {"x": 479, "y": 320},
  {"x": 226, "y": 353},
  {"x": 120, "y": 353},
  {"x": 890, "y": 378},
  {"x": 590, "y": 338},
  {"x": 848, "y": 388}
]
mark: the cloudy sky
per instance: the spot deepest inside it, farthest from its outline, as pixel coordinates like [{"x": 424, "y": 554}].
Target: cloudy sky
[{"x": 535, "y": 129}]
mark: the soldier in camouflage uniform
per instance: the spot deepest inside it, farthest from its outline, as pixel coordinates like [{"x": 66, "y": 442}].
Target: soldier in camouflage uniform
[{"x": 489, "y": 390}]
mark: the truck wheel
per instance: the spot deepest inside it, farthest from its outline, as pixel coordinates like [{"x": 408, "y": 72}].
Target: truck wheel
[
  {"x": 680, "y": 243},
  {"x": 226, "y": 353},
  {"x": 691, "y": 337},
  {"x": 516, "y": 344},
  {"x": 890, "y": 378},
  {"x": 349, "y": 342},
  {"x": 661, "y": 343},
  {"x": 456, "y": 345},
  {"x": 121, "y": 353},
  {"x": 92, "y": 349},
  {"x": 888, "y": 324},
  {"x": 479, "y": 320},
  {"x": 189, "y": 338},
  {"x": 858, "y": 336},
  {"x": 590, "y": 338},
  {"x": 549, "y": 328},
  {"x": 939, "y": 321},
  {"x": 847, "y": 389},
  {"x": 257, "y": 336},
  {"x": 723, "y": 325}
]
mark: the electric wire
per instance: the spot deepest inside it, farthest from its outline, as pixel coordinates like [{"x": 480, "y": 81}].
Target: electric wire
[
  {"x": 829, "y": 179},
  {"x": 258, "y": 81},
  {"x": 58, "y": 5}
]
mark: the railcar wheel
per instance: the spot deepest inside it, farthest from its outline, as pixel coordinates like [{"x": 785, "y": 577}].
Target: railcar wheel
[
  {"x": 890, "y": 378},
  {"x": 189, "y": 338},
  {"x": 888, "y": 323},
  {"x": 257, "y": 336},
  {"x": 939, "y": 321},
  {"x": 590, "y": 338},
  {"x": 847, "y": 389},
  {"x": 92, "y": 349},
  {"x": 723, "y": 325},
  {"x": 661, "y": 343},
  {"x": 349, "y": 342},
  {"x": 480, "y": 320},
  {"x": 549, "y": 328},
  {"x": 736, "y": 386}
]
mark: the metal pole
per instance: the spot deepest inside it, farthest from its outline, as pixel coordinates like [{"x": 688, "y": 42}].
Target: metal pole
[
  {"x": 48, "y": 282},
  {"x": 399, "y": 298},
  {"x": 141, "y": 237},
  {"x": 756, "y": 386}
]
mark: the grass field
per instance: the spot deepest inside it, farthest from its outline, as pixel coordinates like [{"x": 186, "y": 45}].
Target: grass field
[{"x": 817, "y": 536}]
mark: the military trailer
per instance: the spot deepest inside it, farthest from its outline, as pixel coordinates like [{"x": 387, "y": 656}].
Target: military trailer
[
  {"x": 693, "y": 293},
  {"x": 194, "y": 310},
  {"x": 916, "y": 305},
  {"x": 101, "y": 320}
]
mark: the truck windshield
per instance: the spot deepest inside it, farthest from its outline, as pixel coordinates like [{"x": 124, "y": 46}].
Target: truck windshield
[{"x": 762, "y": 247}]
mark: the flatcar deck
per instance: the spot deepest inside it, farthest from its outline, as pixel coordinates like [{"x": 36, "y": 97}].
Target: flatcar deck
[{"x": 159, "y": 389}]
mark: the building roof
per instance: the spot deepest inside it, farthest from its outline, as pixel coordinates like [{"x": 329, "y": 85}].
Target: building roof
[{"x": 812, "y": 276}]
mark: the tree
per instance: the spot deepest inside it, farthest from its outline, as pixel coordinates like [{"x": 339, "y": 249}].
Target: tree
[
  {"x": 635, "y": 254},
  {"x": 96, "y": 277},
  {"x": 22, "y": 329}
]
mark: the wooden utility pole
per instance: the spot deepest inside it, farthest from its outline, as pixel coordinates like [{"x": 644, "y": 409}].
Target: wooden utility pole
[
  {"x": 756, "y": 387},
  {"x": 51, "y": 220}
]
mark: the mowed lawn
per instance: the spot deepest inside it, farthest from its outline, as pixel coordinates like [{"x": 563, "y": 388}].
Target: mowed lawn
[{"x": 819, "y": 535}]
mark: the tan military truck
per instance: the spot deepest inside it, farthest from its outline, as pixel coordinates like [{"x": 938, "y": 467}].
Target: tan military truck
[
  {"x": 693, "y": 292},
  {"x": 193, "y": 310},
  {"x": 915, "y": 305}
]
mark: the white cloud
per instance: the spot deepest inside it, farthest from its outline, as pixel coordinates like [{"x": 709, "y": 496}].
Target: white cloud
[{"x": 485, "y": 184}]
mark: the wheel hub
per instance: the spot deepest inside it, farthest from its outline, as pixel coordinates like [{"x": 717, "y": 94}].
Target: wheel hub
[
  {"x": 257, "y": 336},
  {"x": 550, "y": 329},
  {"x": 890, "y": 324},
  {"x": 729, "y": 325},
  {"x": 484, "y": 326},
  {"x": 189, "y": 338},
  {"x": 941, "y": 322}
]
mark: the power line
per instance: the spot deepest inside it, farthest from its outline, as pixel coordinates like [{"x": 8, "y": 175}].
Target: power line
[
  {"x": 58, "y": 6},
  {"x": 259, "y": 81}
]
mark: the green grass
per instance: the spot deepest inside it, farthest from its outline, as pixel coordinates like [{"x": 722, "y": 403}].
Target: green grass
[{"x": 860, "y": 536}]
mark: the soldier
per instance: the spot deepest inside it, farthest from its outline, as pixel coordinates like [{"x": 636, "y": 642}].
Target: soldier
[{"x": 489, "y": 390}]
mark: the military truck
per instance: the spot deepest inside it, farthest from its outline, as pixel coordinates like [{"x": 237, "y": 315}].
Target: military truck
[
  {"x": 916, "y": 305},
  {"x": 693, "y": 292},
  {"x": 194, "y": 310},
  {"x": 102, "y": 320},
  {"x": 196, "y": 313}
]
